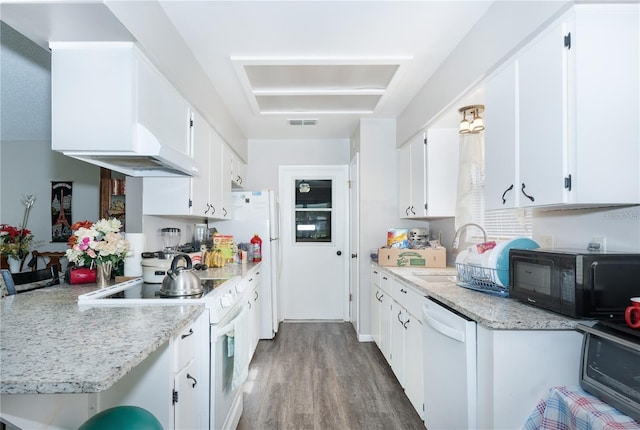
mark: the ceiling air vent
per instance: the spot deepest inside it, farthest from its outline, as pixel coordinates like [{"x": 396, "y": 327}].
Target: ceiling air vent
[{"x": 303, "y": 121}]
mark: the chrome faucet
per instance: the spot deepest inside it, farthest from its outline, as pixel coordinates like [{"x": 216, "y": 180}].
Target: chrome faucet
[{"x": 456, "y": 237}]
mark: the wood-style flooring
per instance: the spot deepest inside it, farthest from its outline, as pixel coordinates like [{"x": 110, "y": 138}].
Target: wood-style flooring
[{"x": 316, "y": 375}]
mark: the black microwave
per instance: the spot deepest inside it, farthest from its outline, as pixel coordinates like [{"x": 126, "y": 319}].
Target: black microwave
[{"x": 576, "y": 283}]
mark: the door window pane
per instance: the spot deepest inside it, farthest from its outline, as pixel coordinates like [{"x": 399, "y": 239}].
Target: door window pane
[{"x": 313, "y": 210}]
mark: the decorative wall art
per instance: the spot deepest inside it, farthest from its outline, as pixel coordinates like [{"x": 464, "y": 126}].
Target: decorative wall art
[{"x": 61, "y": 211}]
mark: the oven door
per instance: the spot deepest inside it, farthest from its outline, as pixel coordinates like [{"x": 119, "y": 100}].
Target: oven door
[{"x": 229, "y": 367}]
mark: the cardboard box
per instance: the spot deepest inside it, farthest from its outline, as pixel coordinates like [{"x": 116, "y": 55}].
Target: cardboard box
[{"x": 429, "y": 257}]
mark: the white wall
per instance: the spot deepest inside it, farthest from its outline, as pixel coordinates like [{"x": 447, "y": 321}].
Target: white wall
[
  {"x": 265, "y": 156},
  {"x": 27, "y": 164},
  {"x": 375, "y": 140},
  {"x": 505, "y": 27},
  {"x": 576, "y": 228}
]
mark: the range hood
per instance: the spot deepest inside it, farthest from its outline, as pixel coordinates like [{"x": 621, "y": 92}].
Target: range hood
[{"x": 147, "y": 158}]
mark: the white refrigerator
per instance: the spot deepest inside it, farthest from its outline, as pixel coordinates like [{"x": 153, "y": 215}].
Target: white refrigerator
[{"x": 257, "y": 212}]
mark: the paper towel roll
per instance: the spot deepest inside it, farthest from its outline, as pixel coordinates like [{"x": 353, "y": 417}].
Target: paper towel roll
[{"x": 133, "y": 263}]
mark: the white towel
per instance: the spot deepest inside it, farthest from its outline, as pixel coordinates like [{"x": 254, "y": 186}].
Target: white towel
[{"x": 240, "y": 350}]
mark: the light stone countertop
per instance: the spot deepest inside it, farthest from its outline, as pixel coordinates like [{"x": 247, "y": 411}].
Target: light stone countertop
[
  {"x": 494, "y": 312},
  {"x": 48, "y": 344}
]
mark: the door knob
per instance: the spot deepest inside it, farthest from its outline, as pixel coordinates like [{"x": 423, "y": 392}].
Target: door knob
[{"x": 339, "y": 252}]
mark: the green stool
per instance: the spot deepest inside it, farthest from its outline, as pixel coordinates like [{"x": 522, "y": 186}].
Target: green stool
[{"x": 122, "y": 418}]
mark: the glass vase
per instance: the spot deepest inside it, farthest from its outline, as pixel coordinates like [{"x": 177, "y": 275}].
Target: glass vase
[
  {"x": 14, "y": 264},
  {"x": 103, "y": 274}
]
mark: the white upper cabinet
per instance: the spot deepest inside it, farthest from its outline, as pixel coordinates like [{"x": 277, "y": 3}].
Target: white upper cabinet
[
  {"x": 238, "y": 172},
  {"x": 501, "y": 139},
  {"x": 562, "y": 115},
  {"x": 109, "y": 102},
  {"x": 428, "y": 170},
  {"x": 442, "y": 153},
  {"x": 198, "y": 196},
  {"x": 405, "y": 197}
]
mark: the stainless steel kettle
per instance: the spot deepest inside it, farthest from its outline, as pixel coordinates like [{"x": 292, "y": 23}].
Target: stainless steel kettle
[{"x": 181, "y": 280}]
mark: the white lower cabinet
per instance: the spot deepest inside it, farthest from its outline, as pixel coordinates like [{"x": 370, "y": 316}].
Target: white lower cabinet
[
  {"x": 191, "y": 376},
  {"x": 385, "y": 316},
  {"x": 375, "y": 302},
  {"x": 399, "y": 329},
  {"x": 255, "y": 310},
  {"x": 516, "y": 368},
  {"x": 185, "y": 384}
]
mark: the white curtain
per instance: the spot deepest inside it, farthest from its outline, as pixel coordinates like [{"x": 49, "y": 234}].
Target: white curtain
[{"x": 470, "y": 199}]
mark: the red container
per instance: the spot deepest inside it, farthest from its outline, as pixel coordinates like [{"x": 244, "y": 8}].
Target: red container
[
  {"x": 82, "y": 275},
  {"x": 256, "y": 245}
]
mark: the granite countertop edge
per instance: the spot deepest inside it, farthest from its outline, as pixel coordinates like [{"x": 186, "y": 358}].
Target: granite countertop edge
[
  {"x": 50, "y": 345},
  {"x": 491, "y": 311}
]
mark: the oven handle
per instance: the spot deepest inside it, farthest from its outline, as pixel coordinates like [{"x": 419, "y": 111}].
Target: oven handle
[{"x": 227, "y": 328}]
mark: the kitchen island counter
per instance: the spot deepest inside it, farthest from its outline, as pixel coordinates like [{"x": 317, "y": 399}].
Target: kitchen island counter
[
  {"x": 494, "y": 312},
  {"x": 50, "y": 345}
]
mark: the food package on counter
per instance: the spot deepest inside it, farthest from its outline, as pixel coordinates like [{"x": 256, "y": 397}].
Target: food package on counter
[
  {"x": 397, "y": 257},
  {"x": 398, "y": 238},
  {"x": 225, "y": 243}
]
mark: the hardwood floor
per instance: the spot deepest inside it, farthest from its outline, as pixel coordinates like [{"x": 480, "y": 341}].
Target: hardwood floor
[{"x": 316, "y": 375}]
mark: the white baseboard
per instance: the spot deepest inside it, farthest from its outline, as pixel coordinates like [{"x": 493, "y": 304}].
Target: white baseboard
[{"x": 365, "y": 338}]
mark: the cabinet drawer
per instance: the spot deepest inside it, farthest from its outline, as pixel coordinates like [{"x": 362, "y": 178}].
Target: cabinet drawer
[
  {"x": 375, "y": 276},
  {"x": 386, "y": 282},
  {"x": 407, "y": 297},
  {"x": 185, "y": 347}
]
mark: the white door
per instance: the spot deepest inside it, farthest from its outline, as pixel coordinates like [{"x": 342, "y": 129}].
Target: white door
[
  {"x": 315, "y": 242},
  {"x": 354, "y": 242}
]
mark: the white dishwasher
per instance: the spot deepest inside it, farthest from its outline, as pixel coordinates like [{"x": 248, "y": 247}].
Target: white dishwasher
[{"x": 450, "y": 382}]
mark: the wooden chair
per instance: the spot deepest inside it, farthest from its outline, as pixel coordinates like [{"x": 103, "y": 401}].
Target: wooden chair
[
  {"x": 27, "y": 281},
  {"x": 49, "y": 258}
]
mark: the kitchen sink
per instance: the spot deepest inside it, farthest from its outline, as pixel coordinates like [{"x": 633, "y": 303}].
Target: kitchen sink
[{"x": 435, "y": 278}]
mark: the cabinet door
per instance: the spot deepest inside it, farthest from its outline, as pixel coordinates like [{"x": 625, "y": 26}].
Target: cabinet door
[
  {"x": 385, "y": 325},
  {"x": 607, "y": 98},
  {"x": 398, "y": 318},
  {"x": 160, "y": 108},
  {"x": 413, "y": 364},
  {"x": 501, "y": 139},
  {"x": 375, "y": 303},
  {"x": 238, "y": 172},
  {"x": 404, "y": 181},
  {"x": 542, "y": 93},
  {"x": 440, "y": 172},
  {"x": 201, "y": 184},
  {"x": 227, "y": 203},
  {"x": 256, "y": 315},
  {"x": 215, "y": 175},
  {"x": 418, "y": 177},
  {"x": 167, "y": 196},
  {"x": 186, "y": 382}
]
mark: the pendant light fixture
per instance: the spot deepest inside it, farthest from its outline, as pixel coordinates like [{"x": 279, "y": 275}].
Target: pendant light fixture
[{"x": 476, "y": 125}]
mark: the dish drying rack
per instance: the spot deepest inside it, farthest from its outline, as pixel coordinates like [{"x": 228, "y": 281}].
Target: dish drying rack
[{"x": 482, "y": 279}]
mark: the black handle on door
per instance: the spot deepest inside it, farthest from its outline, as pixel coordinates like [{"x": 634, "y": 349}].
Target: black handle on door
[
  {"x": 339, "y": 252},
  {"x": 505, "y": 193},
  {"x": 194, "y": 380},
  {"x": 525, "y": 194}
]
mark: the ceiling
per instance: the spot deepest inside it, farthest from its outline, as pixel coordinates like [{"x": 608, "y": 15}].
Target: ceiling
[{"x": 319, "y": 65}]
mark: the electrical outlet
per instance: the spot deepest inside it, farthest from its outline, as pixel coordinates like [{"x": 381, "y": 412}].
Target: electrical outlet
[
  {"x": 601, "y": 240},
  {"x": 546, "y": 241}
]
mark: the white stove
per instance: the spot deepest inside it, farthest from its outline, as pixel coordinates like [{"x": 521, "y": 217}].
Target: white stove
[
  {"x": 227, "y": 301},
  {"x": 219, "y": 296}
]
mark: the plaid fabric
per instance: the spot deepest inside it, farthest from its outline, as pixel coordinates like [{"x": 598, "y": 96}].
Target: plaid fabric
[{"x": 571, "y": 408}]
